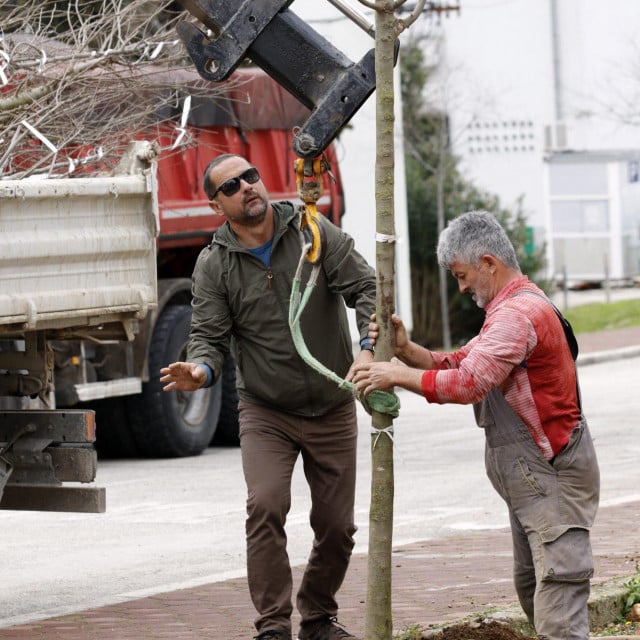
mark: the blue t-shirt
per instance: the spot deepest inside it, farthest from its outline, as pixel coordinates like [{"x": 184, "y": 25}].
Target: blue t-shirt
[{"x": 263, "y": 252}]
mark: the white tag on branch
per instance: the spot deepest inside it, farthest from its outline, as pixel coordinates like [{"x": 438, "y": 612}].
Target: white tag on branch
[
  {"x": 4, "y": 63},
  {"x": 156, "y": 52},
  {"x": 186, "y": 107},
  {"x": 40, "y": 136}
]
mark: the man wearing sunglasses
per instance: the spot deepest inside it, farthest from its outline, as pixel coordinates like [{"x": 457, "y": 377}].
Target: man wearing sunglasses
[{"x": 241, "y": 289}]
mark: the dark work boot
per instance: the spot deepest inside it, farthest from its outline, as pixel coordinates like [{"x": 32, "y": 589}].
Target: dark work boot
[
  {"x": 273, "y": 634},
  {"x": 324, "y": 629}
]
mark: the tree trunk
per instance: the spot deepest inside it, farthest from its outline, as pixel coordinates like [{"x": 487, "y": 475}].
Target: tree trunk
[
  {"x": 442, "y": 272},
  {"x": 379, "y": 625}
]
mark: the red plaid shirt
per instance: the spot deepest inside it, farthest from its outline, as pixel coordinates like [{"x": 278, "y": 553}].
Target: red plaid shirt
[{"x": 522, "y": 350}]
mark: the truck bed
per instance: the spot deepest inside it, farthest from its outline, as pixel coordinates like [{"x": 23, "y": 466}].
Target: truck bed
[{"x": 76, "y": 252}]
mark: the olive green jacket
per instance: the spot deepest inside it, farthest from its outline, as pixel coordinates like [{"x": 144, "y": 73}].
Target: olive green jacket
[{"x": 241, "y": 305}]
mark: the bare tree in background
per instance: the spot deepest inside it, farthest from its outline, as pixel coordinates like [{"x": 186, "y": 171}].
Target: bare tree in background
[{"x": 78, "y": 79}]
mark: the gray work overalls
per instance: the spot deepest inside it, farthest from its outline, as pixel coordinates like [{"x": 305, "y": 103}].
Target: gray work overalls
[{"x": 552, "y": 505}]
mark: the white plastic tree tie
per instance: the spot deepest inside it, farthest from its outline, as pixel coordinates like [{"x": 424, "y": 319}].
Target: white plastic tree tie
[
  {"x": 40, "y": 136},
  {"x": 186, "y": 107}
]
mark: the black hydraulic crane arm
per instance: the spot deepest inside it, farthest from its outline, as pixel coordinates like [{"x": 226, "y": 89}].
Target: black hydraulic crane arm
[{"x": 318, "y": 74}]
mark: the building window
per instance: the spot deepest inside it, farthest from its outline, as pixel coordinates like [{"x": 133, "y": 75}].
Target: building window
[
  {"x": 586, "y": 179},
  {"x": 580, "y": 216}
]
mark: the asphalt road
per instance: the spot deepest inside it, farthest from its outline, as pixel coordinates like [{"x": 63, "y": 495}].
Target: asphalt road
[{"x": 180, "y": 523}]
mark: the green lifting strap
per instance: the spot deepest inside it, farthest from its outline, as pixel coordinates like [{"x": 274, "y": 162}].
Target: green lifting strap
[{"x": 380, "y": 401}]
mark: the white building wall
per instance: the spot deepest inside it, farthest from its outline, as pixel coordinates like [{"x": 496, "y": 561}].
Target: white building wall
[
  {"x": 599, "y": 72},
  {"x": 498, "y": 71},
  {"x": 505, "y": 83}
]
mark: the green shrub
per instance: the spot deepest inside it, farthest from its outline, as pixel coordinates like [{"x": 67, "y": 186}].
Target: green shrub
[{"x": 633, "y": 596}]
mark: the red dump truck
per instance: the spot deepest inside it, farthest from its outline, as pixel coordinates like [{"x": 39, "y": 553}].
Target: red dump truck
[
  {"x": 63, "y": 337},
  {"x": 256, "y": 119}
]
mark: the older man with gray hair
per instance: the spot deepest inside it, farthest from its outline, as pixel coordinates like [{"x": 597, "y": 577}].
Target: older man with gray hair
[{"x": 519, "y": 374}]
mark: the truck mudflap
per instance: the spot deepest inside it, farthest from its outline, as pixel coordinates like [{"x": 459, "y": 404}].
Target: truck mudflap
[{"x": 43, "y": 449}]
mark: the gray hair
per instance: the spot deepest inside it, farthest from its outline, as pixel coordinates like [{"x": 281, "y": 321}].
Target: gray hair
[{"x": 472, "y": 235}]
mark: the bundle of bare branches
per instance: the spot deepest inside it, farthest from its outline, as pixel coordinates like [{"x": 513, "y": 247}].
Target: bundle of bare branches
[{"x": 79, "y": 79}]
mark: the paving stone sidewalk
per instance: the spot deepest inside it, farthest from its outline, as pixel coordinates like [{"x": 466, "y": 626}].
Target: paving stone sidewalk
[{"x": 434, "y": 582}]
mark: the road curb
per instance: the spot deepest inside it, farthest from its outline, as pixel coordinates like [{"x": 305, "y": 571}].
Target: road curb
[
  {"x": 605, "y": 606},
  {"x": 609, "y": 355}
]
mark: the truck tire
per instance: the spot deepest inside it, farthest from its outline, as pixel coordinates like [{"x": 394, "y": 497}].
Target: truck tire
[
  {"x": 175, "y": 423},
  {"x": 227, "y": 433}
]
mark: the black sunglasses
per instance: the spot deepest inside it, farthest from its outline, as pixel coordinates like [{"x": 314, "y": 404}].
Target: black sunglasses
[{"x": 232, "y": 185}]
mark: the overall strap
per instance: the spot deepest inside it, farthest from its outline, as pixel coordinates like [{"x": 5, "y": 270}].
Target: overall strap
[{"x": 568, "y": 332}]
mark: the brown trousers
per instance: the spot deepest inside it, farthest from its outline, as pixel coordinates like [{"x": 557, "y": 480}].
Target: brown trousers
[{"x": 270, "y": 443}]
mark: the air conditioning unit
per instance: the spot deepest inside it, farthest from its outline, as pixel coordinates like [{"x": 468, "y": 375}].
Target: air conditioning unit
[{"x": 555, "y": 136}]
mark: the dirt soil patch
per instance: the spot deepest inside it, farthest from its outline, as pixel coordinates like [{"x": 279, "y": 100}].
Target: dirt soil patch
[
  {"x": 492, "y": 630},
  {"x": 479, "y": 630}
]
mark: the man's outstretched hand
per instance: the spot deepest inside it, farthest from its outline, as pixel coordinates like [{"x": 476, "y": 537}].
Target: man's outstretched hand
[{"x": 183, "y": 376}]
